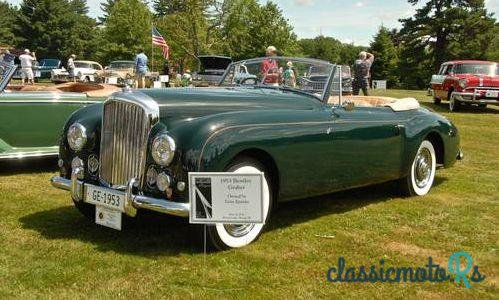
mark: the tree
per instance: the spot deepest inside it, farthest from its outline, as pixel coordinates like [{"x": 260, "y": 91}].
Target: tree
[
  {"x": 322, "y": 47},
  {"x": 441, "y": 30},
  {"x": 249, "y": 27},
  {"x": 385, "y": 65},
  {"x": 127, "y": 29},
  {"x": 330, "y": 49},
  {"x": 54, "y": 28},
  {"x": 7, "y": 18},
  {"x": 106, "y": 10}
]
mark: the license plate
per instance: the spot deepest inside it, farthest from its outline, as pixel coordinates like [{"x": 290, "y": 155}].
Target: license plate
[
  {"x": 492, "y": 94},
  {"x": 108, "y": 217},
  {"x": 105, "y": 197}
]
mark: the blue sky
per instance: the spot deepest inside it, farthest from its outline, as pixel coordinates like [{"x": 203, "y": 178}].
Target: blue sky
[{"x": 349, "y": 21}]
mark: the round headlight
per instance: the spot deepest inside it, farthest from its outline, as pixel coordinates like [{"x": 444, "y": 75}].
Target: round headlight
[
  {"x": 463, "y": 83},
  {"x": 163, "y": 149},
  {"x": 163, "y": 181},
  {"x": 93, "y": 163},
  {"x": 77, "y": 136}
]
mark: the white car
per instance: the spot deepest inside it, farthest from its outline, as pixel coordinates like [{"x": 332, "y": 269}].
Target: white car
[{"x": 86, "y": 71}]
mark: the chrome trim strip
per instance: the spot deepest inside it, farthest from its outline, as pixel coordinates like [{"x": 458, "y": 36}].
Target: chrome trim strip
[
  {"x": 132, "y": 201},
  {"x": 29, "y": 155},
  {"x": 47, "y": 102}
]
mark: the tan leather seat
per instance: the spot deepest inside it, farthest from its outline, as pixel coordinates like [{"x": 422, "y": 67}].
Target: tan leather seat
[
  {"x": 397, "y": 104},
  {"x": 91, "y": 89}
]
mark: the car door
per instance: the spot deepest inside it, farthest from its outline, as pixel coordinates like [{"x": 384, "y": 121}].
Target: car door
[
  {"x": 35, "y": 119},
  {"x": 366, "y": 145}
]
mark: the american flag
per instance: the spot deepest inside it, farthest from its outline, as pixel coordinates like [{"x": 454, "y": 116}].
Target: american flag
[{"x": 157, "y": 39}]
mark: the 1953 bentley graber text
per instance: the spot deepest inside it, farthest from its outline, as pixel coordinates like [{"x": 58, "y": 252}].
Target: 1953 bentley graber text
[{"x": 134, "y": 151}]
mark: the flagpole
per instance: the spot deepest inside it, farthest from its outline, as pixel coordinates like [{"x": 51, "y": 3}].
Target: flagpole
[{"x": 152, "y": 49}]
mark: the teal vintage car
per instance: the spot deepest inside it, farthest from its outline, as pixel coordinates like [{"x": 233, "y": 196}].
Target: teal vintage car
[
  {"x": 31, "y": 118},
  {"x": 137, "y": 148}
]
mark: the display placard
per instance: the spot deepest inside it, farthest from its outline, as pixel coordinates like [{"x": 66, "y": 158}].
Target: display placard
[{"x": 234, "y": 198}]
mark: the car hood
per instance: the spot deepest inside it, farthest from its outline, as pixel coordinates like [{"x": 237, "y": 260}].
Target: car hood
[
  {"x": 185, "y": 104},
  {"x": 214, "y": 62}
]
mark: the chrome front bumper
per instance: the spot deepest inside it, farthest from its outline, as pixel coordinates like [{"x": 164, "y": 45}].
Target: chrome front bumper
[
  {"x": 132, "y": 202},
  {"x": 474, "y": 98}
]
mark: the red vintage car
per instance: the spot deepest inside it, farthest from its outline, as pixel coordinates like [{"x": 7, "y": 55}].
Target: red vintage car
[{"x": 466, "y": 81}]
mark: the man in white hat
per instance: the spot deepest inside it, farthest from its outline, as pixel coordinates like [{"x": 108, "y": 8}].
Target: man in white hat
[
  {"x": 269, "y": 67},
  {"x": 71, "y": 67},
  {"x": 27, "y": 60}
]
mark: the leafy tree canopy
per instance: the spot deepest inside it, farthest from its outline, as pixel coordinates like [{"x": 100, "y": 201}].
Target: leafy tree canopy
[{"x": 7, "y": 18}]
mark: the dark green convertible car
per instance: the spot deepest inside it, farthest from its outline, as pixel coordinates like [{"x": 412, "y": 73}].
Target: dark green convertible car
[{"x": 138, "y": 147}]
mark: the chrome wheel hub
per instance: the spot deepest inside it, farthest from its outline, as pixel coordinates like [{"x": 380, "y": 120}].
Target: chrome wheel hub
[
  {"x": 238, "y": 230},
  {"x": 422, "y": 167}
]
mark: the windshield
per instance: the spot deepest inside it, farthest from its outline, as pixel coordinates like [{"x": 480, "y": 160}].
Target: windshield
[
  {"x": 121, "y": 65},
  {"x": 79, "y": 64},
  {"x": 49, "y": 63},
  {"x": 306, "y": 75},
  {"x": 482, "y": 69}
]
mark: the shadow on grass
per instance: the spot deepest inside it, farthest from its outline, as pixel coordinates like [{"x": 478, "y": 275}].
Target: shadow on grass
[
  {"x": 28, "y": 165},
  {"x": 300, "y": 211},
  {"x": 153, "y": 235},
  {"x": 148, "y": 235}
]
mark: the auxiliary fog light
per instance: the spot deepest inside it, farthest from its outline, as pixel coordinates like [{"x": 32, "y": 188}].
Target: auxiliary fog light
[
  {"x": 163, "y": 181},
  {"x": 93, "y": 164},
  {"x": 77, "y": 136},
  {"x": 77, "y": 163},
  {"x": 180, "y": 186},
  {"x": 151, "y": 176}
]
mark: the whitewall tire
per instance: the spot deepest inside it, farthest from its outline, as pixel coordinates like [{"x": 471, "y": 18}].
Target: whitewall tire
[
  {"x": 454, "y": 105},
  {"x": 226, "y": 236},
  {"x": 422, "y": 171}
]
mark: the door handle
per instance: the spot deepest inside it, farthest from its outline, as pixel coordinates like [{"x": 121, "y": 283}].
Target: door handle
[{"x": 398, "y": 129}]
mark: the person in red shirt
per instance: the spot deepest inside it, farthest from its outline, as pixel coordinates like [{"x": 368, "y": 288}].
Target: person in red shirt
[{"x": 269, "y": 67}]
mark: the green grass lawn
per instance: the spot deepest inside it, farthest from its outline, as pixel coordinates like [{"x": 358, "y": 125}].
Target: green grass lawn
[{"x": 48, "y": 250}]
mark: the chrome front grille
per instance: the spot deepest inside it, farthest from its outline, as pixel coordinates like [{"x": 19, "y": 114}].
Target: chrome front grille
[{"x": 125, "y": 130}]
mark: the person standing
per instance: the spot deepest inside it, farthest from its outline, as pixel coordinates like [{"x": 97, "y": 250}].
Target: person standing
[
  {"x": 7, "y": 57},
  {"x": 71, "y": 67},
  {"x": 27, "y": 60},
  {"x": 288, "y": 77},
  {"x": 362, "y": 73},
  {"x": 186, "y": 79},
  {"x": 140, "y": 68},
  {"x": 269, "y": 68}
]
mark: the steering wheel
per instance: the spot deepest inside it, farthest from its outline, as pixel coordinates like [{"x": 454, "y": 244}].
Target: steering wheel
[{"x": 248, "y": 81}]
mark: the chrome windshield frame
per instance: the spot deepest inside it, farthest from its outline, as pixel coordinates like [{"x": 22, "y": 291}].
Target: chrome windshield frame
[
  {"x": 327, "y": 87},
  {"x": 9, "y": 70}
]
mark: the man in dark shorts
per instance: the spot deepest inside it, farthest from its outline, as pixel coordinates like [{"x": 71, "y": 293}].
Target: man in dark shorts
[{"x": 361, "y": 69}]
